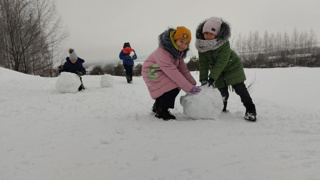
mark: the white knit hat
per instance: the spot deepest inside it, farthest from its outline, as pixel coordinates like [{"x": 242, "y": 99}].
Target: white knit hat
[
  {"x": 212, "y": 25},
  {"x": 73, "y": 56}
]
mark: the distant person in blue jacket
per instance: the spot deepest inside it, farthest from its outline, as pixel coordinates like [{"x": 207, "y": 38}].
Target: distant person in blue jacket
[
  {"x": 128, "y": 55},
  {"x": 73, "y": 64}
]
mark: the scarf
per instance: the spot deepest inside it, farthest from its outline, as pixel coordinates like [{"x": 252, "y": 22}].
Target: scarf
[
  {"x": 207, "y": 45},
  {"x": 127, "y": 51}
]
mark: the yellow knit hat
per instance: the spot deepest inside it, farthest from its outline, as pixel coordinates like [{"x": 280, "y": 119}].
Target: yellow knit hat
[{"x": 182, "y": 33}]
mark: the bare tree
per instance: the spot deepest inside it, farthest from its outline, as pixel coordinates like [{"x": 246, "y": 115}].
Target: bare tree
[
  {"x": 252, "y": 48},
  {"x": 311, "y": 42},
  {"x": 30, "y": 34},
  {"x": 240, "y": 44}
]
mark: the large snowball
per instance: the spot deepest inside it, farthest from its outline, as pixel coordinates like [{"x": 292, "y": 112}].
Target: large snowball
[
  {"x": 106, "y": 80},
  {"x": 205, "y": 105},
  {"x": 68, "y": 82}
]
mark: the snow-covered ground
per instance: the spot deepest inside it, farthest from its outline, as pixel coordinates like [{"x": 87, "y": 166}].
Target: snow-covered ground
[{"x": 110, "y": 133}]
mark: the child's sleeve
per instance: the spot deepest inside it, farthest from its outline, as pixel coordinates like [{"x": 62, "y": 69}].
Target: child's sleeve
[
  {"x": 121, "y": 55},
  {"x": 203, "y": 67},
  {"x": 221, "y": 62},
  {"x": 83, "y": 70},
  {"x": 186, "y": 73},
  {"x": 64, "y": 68}
]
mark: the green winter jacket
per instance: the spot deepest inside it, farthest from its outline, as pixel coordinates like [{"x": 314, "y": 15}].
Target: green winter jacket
[{"x": 217, "y": 60}]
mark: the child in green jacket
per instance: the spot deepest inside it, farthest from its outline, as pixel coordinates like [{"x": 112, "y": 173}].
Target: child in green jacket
[{"x": 220, "y": 66}]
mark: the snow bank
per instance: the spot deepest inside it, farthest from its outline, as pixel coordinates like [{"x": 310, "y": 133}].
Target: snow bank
[
  {"x": 68, "y": 82},
  {"x": 205, "y": 105},
  {"x": 110, "y": 133},
  {"x": 106, "y": 81}
]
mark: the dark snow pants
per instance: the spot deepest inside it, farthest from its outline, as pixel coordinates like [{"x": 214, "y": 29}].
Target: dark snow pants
[
  {"x": 166, "y": 100},
  {"x": 242, "y": 91},
  {"x": 128, "y": 70}
]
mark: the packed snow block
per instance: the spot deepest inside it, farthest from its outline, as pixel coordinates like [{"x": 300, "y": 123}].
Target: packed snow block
[
  {"x": 68, "y": 82},
  {"x": 106, "y": 81},
  {"x": 207, "y": 104}
]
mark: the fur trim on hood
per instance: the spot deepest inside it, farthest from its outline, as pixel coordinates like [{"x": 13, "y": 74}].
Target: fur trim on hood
[
  {"x": 165, "y": 43},
  {"x": 207, "y": 45},
  {"x": 224, "y": 33}
]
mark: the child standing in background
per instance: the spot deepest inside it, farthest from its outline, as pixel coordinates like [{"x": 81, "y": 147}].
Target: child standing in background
[
  {"x": 219, "y": 65},
  {"x": 128, "y": 55}
]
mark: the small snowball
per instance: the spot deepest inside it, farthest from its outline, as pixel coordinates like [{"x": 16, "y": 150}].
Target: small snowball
[
  {"x": 68, "y": 82},
  {"x": 131, "y": 54},
  {"x": 106, "y": 81},
  {"x": 205, "y": 105}
]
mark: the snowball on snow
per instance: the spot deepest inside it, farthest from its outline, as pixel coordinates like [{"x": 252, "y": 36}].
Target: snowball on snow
[
  {"x": 106, "y": 81},
  {"x": 68, "y": 82},
  {"x": 207, "y": 104}
]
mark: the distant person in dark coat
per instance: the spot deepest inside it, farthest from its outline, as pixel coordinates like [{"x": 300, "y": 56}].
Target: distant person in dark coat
[
  {"x": 73, "y": 64},
  {"x": 128, "y": 55}
]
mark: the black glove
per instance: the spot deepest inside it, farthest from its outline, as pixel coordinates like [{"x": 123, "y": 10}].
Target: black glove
[
  {"x": 203, "y": 82},
  {"x": 128, "y": 57},
  {"x": 79, "y": 73},
  {"x": 60, "y": 67},
  {"x": 211, "y": 83}
]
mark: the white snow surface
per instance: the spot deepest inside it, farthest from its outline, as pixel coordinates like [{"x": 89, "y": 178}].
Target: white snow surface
[
  {"x": 207, "y": 104},
  {"x": 68, "y": 82},
  {"x": 111, "y": 133}
]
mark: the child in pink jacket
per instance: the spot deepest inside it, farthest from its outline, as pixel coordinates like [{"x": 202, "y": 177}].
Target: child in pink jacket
[{"x": 165, "y": 71}]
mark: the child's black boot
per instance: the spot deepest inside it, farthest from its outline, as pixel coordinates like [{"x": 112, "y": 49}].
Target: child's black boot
[
  {"x": 128, "y": 78},
  {"x": 164, "y": 114},
  {"x": 250, "y": 116},
  {"x": 225, "y": 103},
  {"x": 154, "y": 108},
  {"x": 81, "y": 87}
]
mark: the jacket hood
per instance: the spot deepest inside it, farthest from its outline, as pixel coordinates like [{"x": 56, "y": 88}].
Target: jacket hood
[
  {"x": 165, "y": 43},
  {"x": 207, "y": 45},
  {"x": 223, "y": 35},
  {"x": 79, "y": 60}
]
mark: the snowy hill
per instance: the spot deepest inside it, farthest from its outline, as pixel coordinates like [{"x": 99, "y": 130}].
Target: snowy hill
[{"x": 111, "y": 134}]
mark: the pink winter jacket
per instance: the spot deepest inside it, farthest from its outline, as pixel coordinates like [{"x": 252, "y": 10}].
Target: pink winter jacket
[{"x": 173, "y": 73}]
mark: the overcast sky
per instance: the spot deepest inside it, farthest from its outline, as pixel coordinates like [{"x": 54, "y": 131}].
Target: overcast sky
[{"x": 98, "y": 28}]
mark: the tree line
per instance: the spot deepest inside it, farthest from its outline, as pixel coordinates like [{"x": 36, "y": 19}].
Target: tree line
[
  {"x": 30, "y": 33},
  {"x": 278, "y": 49},
  {"x": 271, "y": 50},
  {"x": 274, "y": 50},
  {"x": 116, "y": 70}
]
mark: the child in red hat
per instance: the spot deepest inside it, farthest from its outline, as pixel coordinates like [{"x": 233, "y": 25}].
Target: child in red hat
[{"x": 128, "y": 55}]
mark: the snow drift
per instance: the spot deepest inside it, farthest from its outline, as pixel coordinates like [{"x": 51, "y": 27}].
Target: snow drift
[{"x": 111, "y": 133}]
